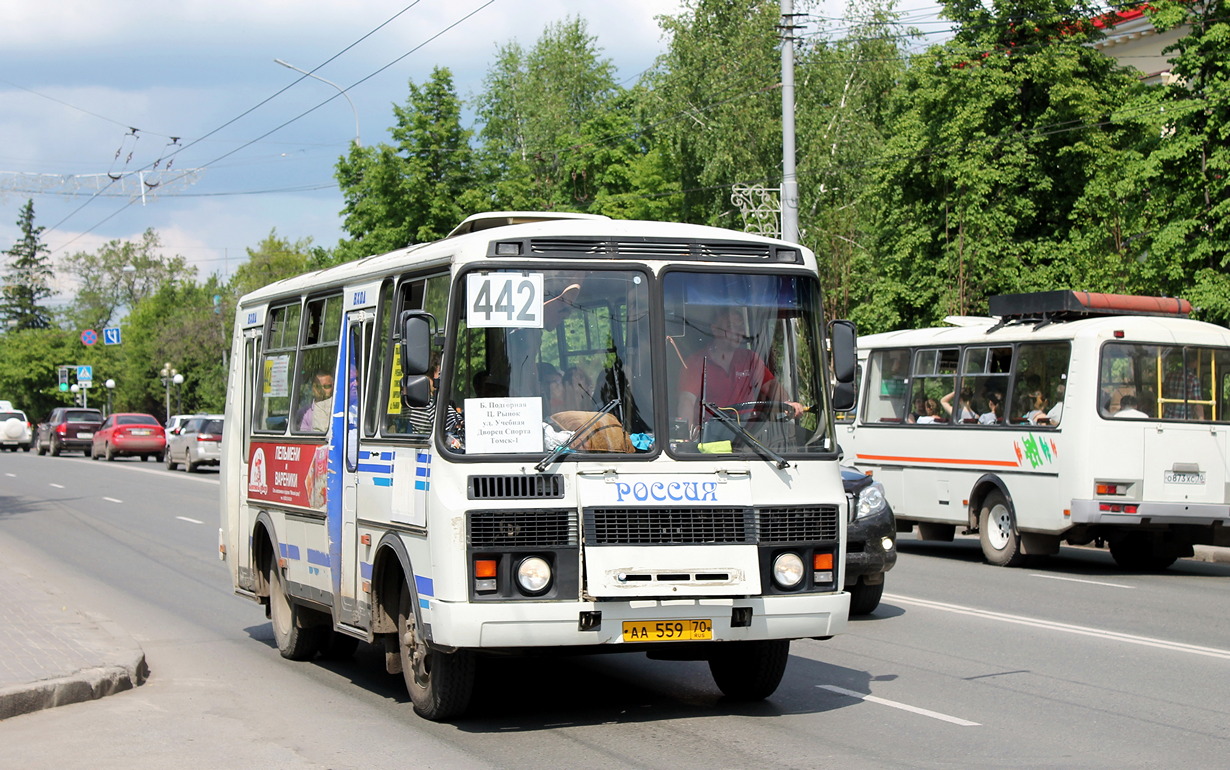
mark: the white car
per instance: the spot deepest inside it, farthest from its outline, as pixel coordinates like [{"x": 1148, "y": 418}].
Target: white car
[
  {"x": 15, "y": 430},
  {"x": 195, "y": 442}
]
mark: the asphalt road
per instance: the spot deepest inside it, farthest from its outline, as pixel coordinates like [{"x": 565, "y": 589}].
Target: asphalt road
[{"x": 1069, "y": 662}]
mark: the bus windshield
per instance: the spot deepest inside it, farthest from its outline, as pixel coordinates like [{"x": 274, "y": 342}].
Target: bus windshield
[
  {"x": 741, "y": 363},
  {"x": 571, "y": 343}
]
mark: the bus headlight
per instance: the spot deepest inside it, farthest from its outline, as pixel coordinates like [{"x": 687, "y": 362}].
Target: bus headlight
[
  {"x": 787, "y": 570},
  {"x": 533, "y": 575}
]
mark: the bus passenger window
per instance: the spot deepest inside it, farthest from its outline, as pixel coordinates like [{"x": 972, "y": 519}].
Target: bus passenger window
[{"x": 1040, "y": 385}]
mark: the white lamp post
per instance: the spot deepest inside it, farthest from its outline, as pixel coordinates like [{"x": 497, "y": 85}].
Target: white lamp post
[
  {"x": 169, "y": 375},
  {"x": 110, "y": 384},
  {"x": 340, "y": 90}
]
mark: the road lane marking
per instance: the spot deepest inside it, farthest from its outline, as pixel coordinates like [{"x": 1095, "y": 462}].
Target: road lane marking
[
  {"x": 11, "y": 475},
  {"x": 113, "y": 500},
  {"x": 190, "y": 521},
  {"x": 1081, "y": 580},
  {"x": 902, "y": 706},
  {"x": 1099, "y": 633},
  {"x": 58, "y": 486}
]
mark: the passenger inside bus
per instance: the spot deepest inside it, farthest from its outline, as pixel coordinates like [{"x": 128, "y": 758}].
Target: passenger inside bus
[
  {"x": 1128, "y": 408},
  {"x": 966, "y": 414},
  {"x": 315, "y": 414},
  {"x": 995, "y": 402},
  {"x": 932, "y": 415}
]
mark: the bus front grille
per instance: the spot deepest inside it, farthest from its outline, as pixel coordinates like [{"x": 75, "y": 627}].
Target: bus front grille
[
  {"x": 674, "y": 526},
  {"x": 711, "y": 526},
  {"x": 516, "y": 487},
  {"x": 522, "y": 529},
  {"x": 789, "y": 524}
]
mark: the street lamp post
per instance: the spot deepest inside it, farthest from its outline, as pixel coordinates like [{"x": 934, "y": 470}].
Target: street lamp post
[
  {"x": 110, "y": 384},
  {"x": 340, "y": 90},
  {"x": 169, "y": 375}
]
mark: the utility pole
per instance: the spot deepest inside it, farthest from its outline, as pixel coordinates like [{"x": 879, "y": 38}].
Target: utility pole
[{"x": 790, "y": 181}]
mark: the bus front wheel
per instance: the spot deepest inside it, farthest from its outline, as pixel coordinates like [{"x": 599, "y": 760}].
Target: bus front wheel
[
  {"x": 749, "y": 671},
  {"x": 1001, "y": 543},
  {"x": 439, "y": 683},
  {"x": 295, "y": 640}
]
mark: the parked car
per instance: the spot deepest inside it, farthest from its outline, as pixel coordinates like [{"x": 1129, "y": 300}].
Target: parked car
[
  {"x": 177, "y": 421},
  {"x": 871, "y": 534},
  {"x": 15, "y": 430},
  {"x": 67, "y": 428},
  {"x": 128, "y": 433},
  {"x": 197, "y": 442}
]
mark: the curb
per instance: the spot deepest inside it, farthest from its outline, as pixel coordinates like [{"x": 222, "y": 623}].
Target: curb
[
  {"x": 88, "y": 684},
  {"x": 1211, "y": 553}
]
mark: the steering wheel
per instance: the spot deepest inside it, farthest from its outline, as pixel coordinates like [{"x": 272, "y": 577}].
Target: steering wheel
[{"x": 770, "y": 411}]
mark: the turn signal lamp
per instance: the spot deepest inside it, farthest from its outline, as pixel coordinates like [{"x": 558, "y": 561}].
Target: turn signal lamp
[
  {"x": 822, "y": 568},
  {"x": 484, "y": 575}
]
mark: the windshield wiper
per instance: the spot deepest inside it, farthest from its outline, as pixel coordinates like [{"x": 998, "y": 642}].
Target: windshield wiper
[
  {"x": 576, "y": 436},
  {"x": 734, "y": 425}
]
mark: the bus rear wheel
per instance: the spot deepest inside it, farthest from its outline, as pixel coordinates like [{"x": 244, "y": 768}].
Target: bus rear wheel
[
  {"x": 439, "y": 683},
  {"x": 1001, "y": 543},
  {"x": 749, "y": 671}
]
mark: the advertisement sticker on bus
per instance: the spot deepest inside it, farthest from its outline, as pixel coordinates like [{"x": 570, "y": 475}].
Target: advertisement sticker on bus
[{"x": 296, "y": 474}]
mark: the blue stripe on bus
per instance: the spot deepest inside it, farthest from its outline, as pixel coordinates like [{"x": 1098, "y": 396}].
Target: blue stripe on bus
[
  {"x": 425, "y": 586},
  {"x": 422, "y": 486},
  {"x": 289, "y": 551},
  {"x": 424, "y": 604},
  {"x": 382, "y": 482},
  {"x": 365, "y": 569},
  {"x": 318, "y": 557},
  {"x": 422, "y": 471},
  {"x": 375, "y": 468},
  {"x": 372, "y": 454}
]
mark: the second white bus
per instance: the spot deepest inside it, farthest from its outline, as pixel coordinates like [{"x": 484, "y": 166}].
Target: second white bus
[{"x": 1065, "y": 417}]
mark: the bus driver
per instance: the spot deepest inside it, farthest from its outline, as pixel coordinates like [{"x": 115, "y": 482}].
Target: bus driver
[{"x": 732, "y": 374}]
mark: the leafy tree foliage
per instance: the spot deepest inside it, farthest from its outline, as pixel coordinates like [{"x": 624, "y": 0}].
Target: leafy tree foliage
[
  {"x": 273, "y": 259},
  {"x": 118, "y": 276},
  {"x": 994, "y": 142},
  {"x": 29, "y": 277},
  {"x": 416, "y": 189}
]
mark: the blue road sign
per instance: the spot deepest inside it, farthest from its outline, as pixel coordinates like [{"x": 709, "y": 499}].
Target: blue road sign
[
  {"x": 89, "y": 337},
  {"x": 85, "y": 374},
  {"x": 111, "y": 336}
]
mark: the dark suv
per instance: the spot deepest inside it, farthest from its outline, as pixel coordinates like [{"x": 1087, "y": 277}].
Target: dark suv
[{"x": 68, "y": 428}]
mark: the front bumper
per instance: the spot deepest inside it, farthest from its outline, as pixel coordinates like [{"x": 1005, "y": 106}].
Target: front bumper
[
  {"x": 557, "y": 624},
  {"x": 866, "y": 553}
]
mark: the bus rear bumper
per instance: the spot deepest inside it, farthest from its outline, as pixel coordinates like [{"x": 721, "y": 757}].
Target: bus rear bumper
[
  {"x": 1092, "y": 512},
  {"x": 559, "y": 624}
]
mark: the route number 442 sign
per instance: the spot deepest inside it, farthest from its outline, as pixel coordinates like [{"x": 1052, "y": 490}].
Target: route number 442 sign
[{"x": 504, "y": 300}]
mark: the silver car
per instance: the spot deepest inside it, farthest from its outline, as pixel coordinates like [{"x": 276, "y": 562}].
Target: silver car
[
  {"x": 196, "y": 442},
  {"x": 14, "y": 430}
]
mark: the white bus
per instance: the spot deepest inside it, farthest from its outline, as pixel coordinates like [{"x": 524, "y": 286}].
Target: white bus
[
  {"x": 482, "y": 444},
  {"x": 1067, "y": 417}
]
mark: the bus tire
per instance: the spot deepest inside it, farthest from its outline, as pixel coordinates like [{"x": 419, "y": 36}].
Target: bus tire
[
  {"x": 749, "y": 671},
  {"x": 295, "y": 640},
  {"x": 1141, "y": 552},
  {"x": 1001, "y": 543},
  {"x": 865, "y": 598},
  {"x": 439, "y": 683}
]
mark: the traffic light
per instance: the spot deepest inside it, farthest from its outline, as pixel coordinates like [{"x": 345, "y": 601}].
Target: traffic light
[{"x": 63, "y": 374}]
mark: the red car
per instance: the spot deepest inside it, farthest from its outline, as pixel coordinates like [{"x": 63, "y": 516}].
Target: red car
[{"x": 129, "y": 434}]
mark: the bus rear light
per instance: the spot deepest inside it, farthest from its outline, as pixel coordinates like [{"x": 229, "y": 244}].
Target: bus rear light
[
  {"x": 1112, "y": 489},
  {"x": 1117, "y": 508}
]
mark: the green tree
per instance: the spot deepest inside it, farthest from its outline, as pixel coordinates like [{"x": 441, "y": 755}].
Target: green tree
[
  {"x": 994, "y": 143},
  {"x": 273, "y": 259},
  {"x": 118, "y": 276},
  {"x": 29, "y": 277},
  {"x": 1181, "y": 163},
  {"x": 28, "y": 362},
  {"x": 417, "y": 189},
  {"x": 717, "y": 103},
  {"x": 534, "y": 107}
]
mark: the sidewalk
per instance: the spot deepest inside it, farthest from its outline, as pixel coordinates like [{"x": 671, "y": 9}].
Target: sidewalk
[{"x": 52, "y": 655}]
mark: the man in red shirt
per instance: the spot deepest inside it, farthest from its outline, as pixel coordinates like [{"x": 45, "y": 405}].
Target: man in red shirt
[{"x": 731, "y": 373}]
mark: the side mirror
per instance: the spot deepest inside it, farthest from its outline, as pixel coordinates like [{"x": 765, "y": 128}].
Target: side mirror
[
  {"x": 843, "y": 341},
  {"x": 417, "y": 328}
]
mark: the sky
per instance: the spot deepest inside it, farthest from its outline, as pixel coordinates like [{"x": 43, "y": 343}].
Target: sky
[{"x": 97, "y": 97}]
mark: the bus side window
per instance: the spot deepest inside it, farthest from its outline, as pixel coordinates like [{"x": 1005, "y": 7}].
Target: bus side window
[
  {"x": 887, "y": 383},
  {"x": 1040, "y": 385},
  {"x": 315, "y": 384},
  {"x": 272, "y": 413}
]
